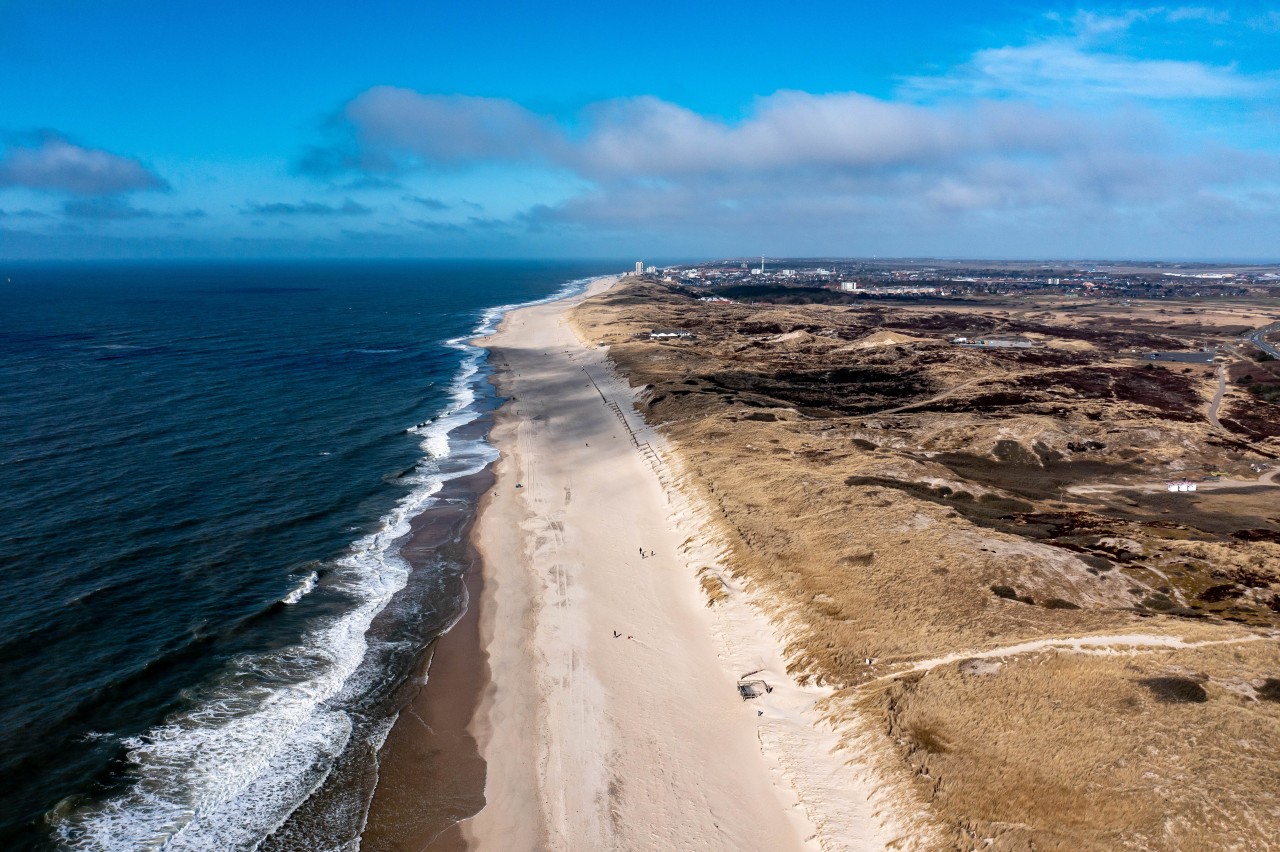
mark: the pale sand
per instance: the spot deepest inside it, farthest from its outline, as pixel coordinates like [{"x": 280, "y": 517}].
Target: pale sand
[{"x": 641, "y": 742}]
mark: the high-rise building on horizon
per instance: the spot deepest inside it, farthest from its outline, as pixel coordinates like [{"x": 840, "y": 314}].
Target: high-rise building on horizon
[{"x": 639, "y": 267}]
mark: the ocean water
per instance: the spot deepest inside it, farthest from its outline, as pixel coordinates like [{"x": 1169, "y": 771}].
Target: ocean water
[{"x": 205, "y": 471}]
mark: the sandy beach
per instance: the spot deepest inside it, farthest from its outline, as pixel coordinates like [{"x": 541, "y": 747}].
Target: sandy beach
[{"x": 608, "y": 721}]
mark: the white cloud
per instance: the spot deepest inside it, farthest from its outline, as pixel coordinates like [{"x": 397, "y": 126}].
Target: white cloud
[
  {"x": 647, "y": 138},
  {"x": 1268, "y": 22},
  {"x": 1198, "y": 13},
  {"x": 808, "y": 162},
  {"x": 1062, "y": 70},
  {"x": 789, "y": 130},
  {"x": 1088, "y": 24},
  {"x": 1100, "y": 57},
  {"x": 393, "y": 128},
  {"x": 48, "y": 161}
]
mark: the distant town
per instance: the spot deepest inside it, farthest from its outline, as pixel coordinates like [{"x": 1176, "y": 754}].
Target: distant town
[{"x": 739, "y": 279}]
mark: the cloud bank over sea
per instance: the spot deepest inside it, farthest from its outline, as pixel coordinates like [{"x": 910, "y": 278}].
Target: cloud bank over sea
[{"x": 816, "y": 161}]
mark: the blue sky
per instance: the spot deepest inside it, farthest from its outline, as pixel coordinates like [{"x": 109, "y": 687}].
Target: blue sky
[{"x": 136, "y": 128}]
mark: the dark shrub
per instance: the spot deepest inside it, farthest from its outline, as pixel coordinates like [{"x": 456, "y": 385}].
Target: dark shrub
[
  {"x": 1176, "y": 690},
  {"x": 929, "y": 739},
  {"x": 1257, "y": 535},
  {"x": 1217, "y": 594}
]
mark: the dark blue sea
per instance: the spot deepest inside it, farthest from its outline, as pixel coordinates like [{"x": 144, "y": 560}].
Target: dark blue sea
[{"x": 205, "y": 472}]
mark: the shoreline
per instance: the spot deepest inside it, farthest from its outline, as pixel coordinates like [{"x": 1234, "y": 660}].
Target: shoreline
[
  {"x": 596, "y": 689},
  {"x": 430, "y": 774}
]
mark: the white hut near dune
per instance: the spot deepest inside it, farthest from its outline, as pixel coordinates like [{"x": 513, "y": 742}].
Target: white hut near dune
[{"x": 670, "y": 334}]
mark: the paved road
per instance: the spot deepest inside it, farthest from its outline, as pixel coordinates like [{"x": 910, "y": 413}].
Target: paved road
[{"x": 1258, "y": 339}]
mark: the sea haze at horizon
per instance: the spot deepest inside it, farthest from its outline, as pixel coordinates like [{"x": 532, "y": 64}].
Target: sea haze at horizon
[{"x": 203, "y": 469}]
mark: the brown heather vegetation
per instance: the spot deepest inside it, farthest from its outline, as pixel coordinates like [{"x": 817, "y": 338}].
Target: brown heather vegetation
[{"x": 894, "y": 499}]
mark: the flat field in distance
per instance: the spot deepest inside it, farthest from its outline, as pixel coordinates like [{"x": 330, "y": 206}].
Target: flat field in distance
[{"x": 978, "y": 547}]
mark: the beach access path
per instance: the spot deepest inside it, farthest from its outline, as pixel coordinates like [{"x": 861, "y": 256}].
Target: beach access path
[{"x": 607, "y": 721}]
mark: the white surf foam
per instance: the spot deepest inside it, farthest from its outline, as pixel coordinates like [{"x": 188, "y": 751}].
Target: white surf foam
[
  {"x": 263, "y": 736},
  {"x": 299, "y": 591}
]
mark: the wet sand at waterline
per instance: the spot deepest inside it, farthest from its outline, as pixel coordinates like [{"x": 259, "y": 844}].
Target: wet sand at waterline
[{"x": 430, "y": 773}]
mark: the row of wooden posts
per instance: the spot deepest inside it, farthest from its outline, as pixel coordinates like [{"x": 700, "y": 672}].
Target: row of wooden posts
[{"x": 645, "y": 448}]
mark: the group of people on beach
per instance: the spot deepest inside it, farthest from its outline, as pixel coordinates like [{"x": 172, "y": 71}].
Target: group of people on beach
[{"x": 643, "y": 555}]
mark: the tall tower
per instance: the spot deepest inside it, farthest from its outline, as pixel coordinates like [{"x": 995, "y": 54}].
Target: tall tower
[
  {"x": 762, "y": 264},
  {"x": 639, "y": 267}
]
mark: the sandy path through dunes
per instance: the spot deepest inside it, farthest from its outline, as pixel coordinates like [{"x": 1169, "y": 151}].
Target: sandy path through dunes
[
  {"x": 608, "y": 722},
  {"x": 1121, "y": 643}
]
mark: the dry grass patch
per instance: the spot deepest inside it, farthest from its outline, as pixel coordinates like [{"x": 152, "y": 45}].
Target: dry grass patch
[
  {"x": 712, "y": 586},
  {"x": 876, "y": 541},
  {"x": 1160, "y": 750}
]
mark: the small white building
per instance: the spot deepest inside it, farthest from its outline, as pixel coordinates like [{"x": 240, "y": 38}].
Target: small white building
[
  {"x": 995, "y": 342},
  {"x": 1182, "y": 485},
  {"x": 670, "y": 334}
]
